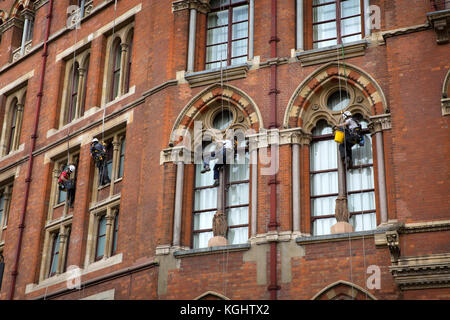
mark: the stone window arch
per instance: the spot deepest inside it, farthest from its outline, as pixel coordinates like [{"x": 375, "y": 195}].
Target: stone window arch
[
  {"x": 217, "y": 111},
  {"x": 23, "y": 10},
  {"x": 445, "y": 100},
  {"x": 12, "y": 122},
  {"x": 75, "y": 87},
  {"x": 316, "y": 101},
  {"x": 118, "y": 63},
  {"x": 343, "y": 290}
]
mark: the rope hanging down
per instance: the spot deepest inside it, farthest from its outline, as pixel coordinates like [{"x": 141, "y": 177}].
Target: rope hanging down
[{"x": 360, "y": 154}]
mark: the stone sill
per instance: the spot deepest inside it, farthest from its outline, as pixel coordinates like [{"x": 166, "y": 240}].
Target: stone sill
[
  {"x": 328, "y": 54},
  {"x": 212, "y": 250},
  {"x": 337, "y": 237},
  {"x": 201, "y": 78}
]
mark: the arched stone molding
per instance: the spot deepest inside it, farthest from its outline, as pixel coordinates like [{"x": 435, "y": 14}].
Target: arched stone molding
[
  {"x": 211, "y": 295},
  {"x": 304, "y": 109},
  {"x": 19, "y": 5},
  {"x": 445, "y": 99},
  {"x": 343, "y": 290},
  {"x": 198, "y": 108}
]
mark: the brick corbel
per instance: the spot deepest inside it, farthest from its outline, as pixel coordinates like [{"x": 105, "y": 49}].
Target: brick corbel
[{"x": 445, "y": 103}]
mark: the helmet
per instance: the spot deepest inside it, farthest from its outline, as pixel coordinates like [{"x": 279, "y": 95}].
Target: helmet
[
  {"x": 347, "y": 114},
  {"x": 71, "y": 168},
  {"x": 94, "y": 140}
]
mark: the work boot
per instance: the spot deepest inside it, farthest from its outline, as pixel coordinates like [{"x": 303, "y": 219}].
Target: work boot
[
  {"x": 205, "y": 169},
  {"x": 216, "y": 183}
]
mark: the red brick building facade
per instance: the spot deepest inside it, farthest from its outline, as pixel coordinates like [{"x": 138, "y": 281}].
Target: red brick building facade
[{"x": 299, "y": 223}]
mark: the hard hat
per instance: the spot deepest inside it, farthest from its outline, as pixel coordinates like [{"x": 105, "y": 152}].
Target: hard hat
[
  {"x": 94, "y": 140},
  {"x": 347, "y": 114},
  {"x": 72, "y": 168}
]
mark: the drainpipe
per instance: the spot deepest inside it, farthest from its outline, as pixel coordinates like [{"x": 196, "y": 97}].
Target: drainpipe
[
  {"x": 14, "y": 272},
  {"x": 273, "y": 224}
]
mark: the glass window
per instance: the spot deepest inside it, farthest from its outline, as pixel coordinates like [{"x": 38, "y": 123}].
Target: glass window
[
  {"x": 116, "y": 229},
  {"x": 55, "y": 255},
  {"x": 122, "y": 158},
  {"x": 336, "y": 21},
  {"x": 338, "y": 100},
  {"x": 117, "y": 59},
  {"x": 323, "y": 178},
  {"x": 101, "y": 238},
  {"x": 227, "y": 34}
]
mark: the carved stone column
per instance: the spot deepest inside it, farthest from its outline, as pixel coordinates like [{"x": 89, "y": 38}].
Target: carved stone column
[
  {"x": 377, "y": 125},
  {"x": 123, "y": 67},
  {"x": 220, "y": 223}
]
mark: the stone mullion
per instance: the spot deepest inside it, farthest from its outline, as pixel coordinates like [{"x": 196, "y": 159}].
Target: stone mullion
[
  {"x": 80, "y": 90},
  {"x": 110, "y": 215},
  {"x": 123, "y": 67},
  {"x": 115, "y": 164},
  {"x": 63, "y": 236},
  {"x": 18, "y": 124}
]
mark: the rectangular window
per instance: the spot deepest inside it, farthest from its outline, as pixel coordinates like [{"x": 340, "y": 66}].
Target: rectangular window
[
  {"x": 227, "y": 33},
  {"x": 116, "y": 230},
  {"x": 324, "y": 181},
  {"x": 236, "y": 203},
  {"x": 337, "y": 21},
  {"x": 122, "y": 158}
]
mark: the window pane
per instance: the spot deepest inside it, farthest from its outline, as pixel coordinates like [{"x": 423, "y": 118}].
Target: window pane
[
  {"x": 116, "y": 227},
  {"x": 219, "y": 18},
  {"x": 203, "y": 220},
  {"x": 338, "y": 100},
  {"x": 324, "y": 183},
  {"x": 351, "y": 38},
  {"x": 363, "y": 155},
  {"x": 116, "y": 79},
  {"x": 237, "y": 235},
  {"x": 239, "y": 48},
  {"x": 102, "y": 226},
  {"x": 323, "y": 206},
  {"x": 350, "y": 8},
  {"x": 360, "y": 179},
  {"x": 101, "y": 247},
  {"x": 216, "y": 53},
  {"x": 240, "y": 30},
  {"x": 323, "y": 155},
  {"x": 322, "y": 226},
  {"x": 216, "y": 65},
  {"x": 206, "y": 198},
  {"x": 237, "y": 216},
  {"x": 240, "y": 60},
  {"x": 122, "y": 158},
  {"x": 62, "y": 195},
  {"x": 324, "y": 31},
  {"x": 218, "y": 35},
  {"x": 240, "y": 13},
  {"x": 201, "y": 239},
  {"x": 350, "y": 26},
  {"x": 364, "y": 201},
  {"x": 323, "y": 44},
  {"x": 324, "y": 13},
  {"x": 2, "y": 207},
  {"x": 55, "y": 255},
  {"x": 238, "y": 194},
  {"x": 364, "y": 222},
  {"x": 316, "y": 2},
  {"x": 222, "y": 119}
]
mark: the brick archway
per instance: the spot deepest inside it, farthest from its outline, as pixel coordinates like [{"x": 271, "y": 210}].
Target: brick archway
[
  {"x": 343, "y": 290},
  {"x": 201, "y": 102},
  {"x": 348, "y": 75}
]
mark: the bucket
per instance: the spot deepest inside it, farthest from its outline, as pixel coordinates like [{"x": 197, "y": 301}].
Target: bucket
[{"x": 339, "y": 136}]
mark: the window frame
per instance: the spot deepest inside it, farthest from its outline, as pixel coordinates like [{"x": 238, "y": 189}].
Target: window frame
[
  {"x": 229, "y": 43},
  {"x": 226, "y": 206},
  {"x": 338, "y": 19},
  {"x": 352, "y": 214}
]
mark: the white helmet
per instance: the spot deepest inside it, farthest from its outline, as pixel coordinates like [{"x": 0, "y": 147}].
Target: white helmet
[
  {"x": 347, "y": 114},
  {"x": 71, "y": 168},
  {"x": 94, "y": 140}
]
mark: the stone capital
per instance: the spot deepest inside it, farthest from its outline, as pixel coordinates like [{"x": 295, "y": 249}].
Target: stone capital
[
  {"x": 199, "y": 5},
  {"x": 445, "y": 103},
  {"x": 379, "y": 123}
]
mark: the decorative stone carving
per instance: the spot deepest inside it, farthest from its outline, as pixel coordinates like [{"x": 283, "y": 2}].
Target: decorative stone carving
[
  {"x": 445, "y": 103},
  {"x": 220, "y": 224},
  {"x": 379, "y": 123},
  {"x": 440, "y": 21},
  {"x": 393, "y": 243},
  {"x": 341, "y": 210},
  {"x": 199, "y": 5}
]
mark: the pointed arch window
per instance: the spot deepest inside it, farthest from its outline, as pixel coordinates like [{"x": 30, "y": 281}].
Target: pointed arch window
[
  {"x": 12, "y": 121},
  {"x": 116, "y": 70}
]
